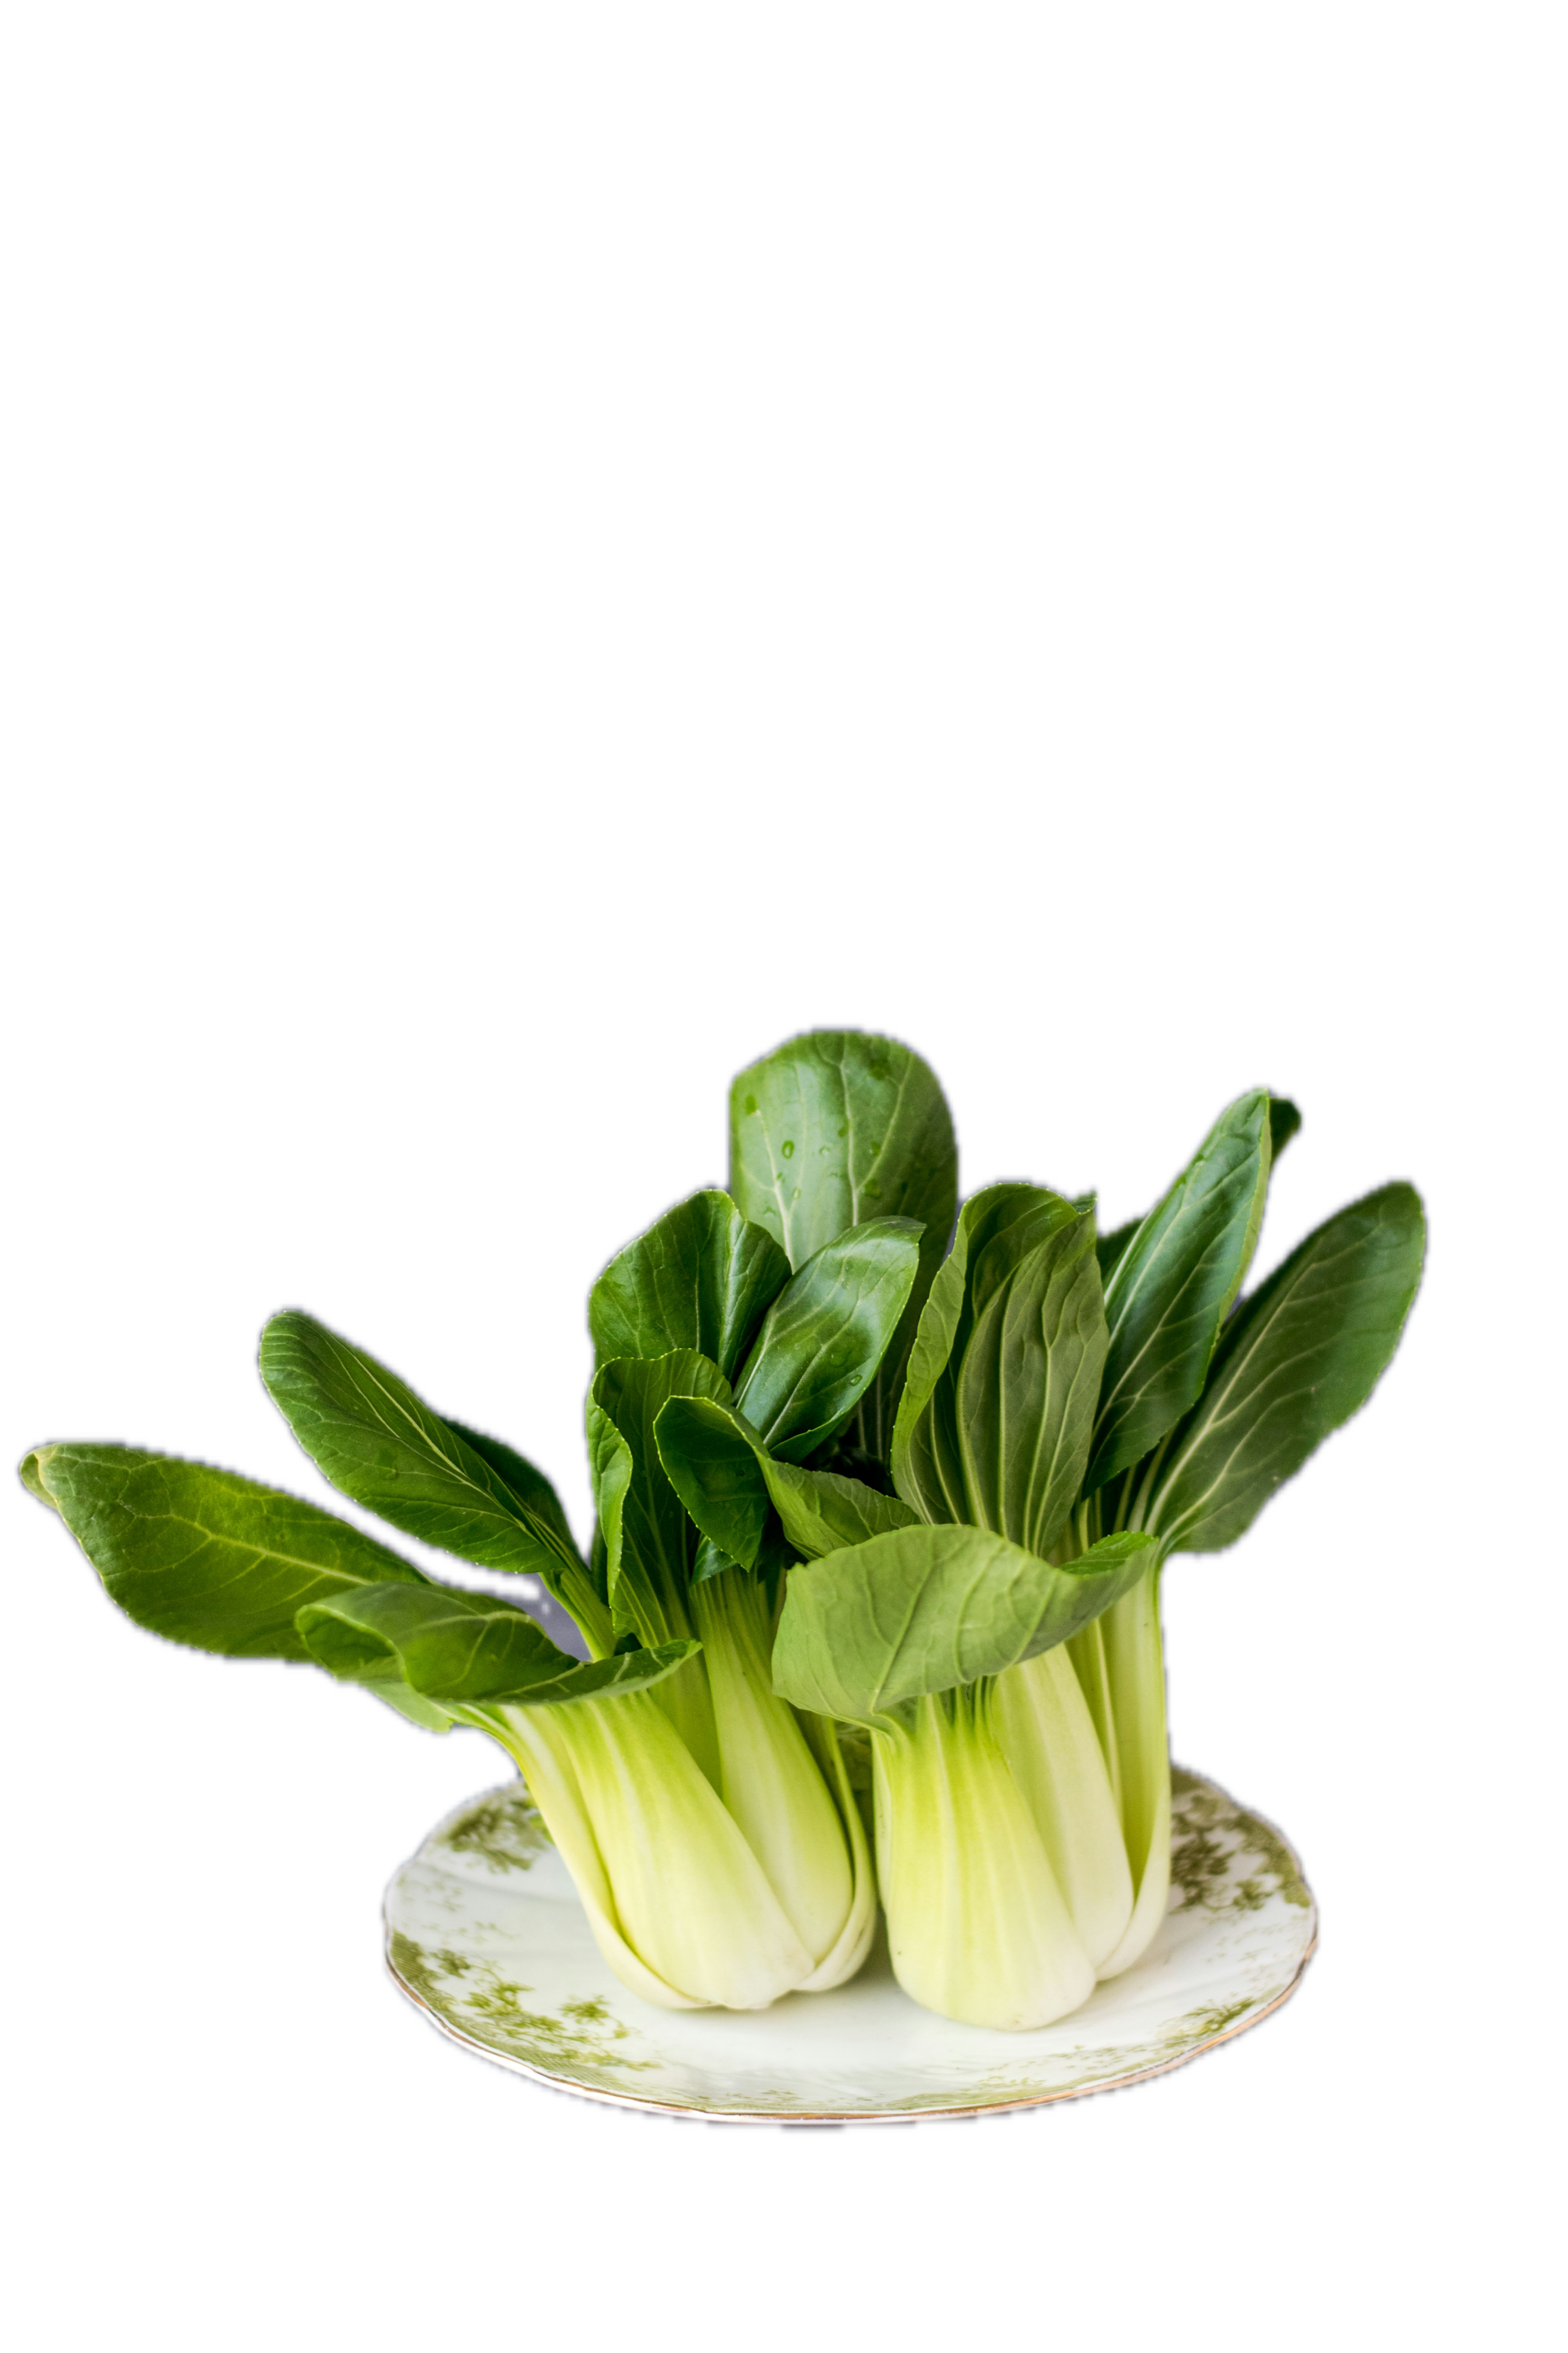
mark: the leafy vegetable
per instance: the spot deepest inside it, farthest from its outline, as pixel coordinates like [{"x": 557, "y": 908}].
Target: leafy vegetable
[
  {"x": 845, "y": 1475},
  {"x": 1035, "y": 1413}
]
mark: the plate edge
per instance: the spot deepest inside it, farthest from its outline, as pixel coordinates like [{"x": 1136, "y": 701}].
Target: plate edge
[{"x": 786, "y": 2118}]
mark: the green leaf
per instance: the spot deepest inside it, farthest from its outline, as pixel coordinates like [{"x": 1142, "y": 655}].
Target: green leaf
[
  {"x": 701, "y": 1278},
  {"x": 711, "y": 1560},
  {"x": 997, "y": 1230},
  {"x": 1284, "y": 1119},
  {"x": 1298, "y": 1359},
  {"x": 378, "y": 1442},
  {"x": 204, "y": 1556},
  {"x": 831, "y": 1130},
  {"x": 1108, "y": 1248},
  {"x": 1028, "y": 1383},
  {"x": 610, "y": 1475},
  {"x": 924, "y": 1609},
  {"x": 926, "y": 1466},
  {"x": 442, "y": 1642},
  {"x": 714, "y": 1459},
  {"x": 1172, "y": 1284},
  {"x": 726, "y": 1478},
  {"x": 461, "y": 1648},
  {"x": 427, "y": 1714},
  {"x": 825, "y": 1335},
  {"x": 649, "y": 1539},
  {"x": 821, "y": 1512}
]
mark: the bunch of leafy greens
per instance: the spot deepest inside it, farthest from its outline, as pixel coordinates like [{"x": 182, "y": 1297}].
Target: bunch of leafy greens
[
  {"x": 982, "y": 1594},
  {"x": 841, "y": 1480}
]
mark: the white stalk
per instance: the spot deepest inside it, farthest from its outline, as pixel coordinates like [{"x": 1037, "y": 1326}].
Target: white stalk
[
  {"x": 686, "y": 1698},
  {"x": 768, "y": 1778},
  {"x": 840, "y": 1963},
  {"x": 545, "y": 1764},
  {"x": 1135, "y": 1681},
  {"x": 663, "y": 1868},
  {"x": 1087, "y": 1651},
  {"x": 977, "y": 1927},
  {"x": 1049, "y": 1738}
]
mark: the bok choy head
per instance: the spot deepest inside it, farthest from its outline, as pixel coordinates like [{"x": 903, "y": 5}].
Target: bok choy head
[
  {"x": 1073, "y": 1408},
  {"x": 860, "y": 1456},
  {"x": 708, "y": 1828}
]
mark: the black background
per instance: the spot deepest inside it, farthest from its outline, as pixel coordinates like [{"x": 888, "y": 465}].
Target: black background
[{"x": 203, "y": 1843}]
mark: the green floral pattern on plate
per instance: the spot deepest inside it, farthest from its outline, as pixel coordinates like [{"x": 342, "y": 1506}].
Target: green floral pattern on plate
[{"x": 486, "y": 1934}]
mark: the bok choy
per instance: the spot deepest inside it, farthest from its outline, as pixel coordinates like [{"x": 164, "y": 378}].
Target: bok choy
[
  {"x": 709, "y": 1827},
  {"x": 984, "y": 1597},
  {"x": 869, "y": 1467}
]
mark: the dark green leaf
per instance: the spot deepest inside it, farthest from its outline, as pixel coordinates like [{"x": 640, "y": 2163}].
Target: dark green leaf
[
  {"x": 714, "y": 1459},
  {"x": 825, "y": 1335},
  {"x": 649, "y": 1539},
  {"x": 821, "y": 1512},
  {"x": 996, "y": 1231},
  {"x": 834, "y": 1129},
  {"x": 727, "y": 1479},
  {"x": 924, "y": 1609},
  {"x": 701, "y": 1278},
  {"x": 1171, "y": 1284},
  {"x": 1028, "y": 1383},
  {"x": 713, "y": 1561},
  {"x": 1108, "y": 1248},
  {"x": 1298, "y": 1359},
  {"x": 1284, "y": 1119},
  {"x": 204, "y": 1556},
  {"x": 368, "y": 1433},
  {"x": 463, "y": 1648}
]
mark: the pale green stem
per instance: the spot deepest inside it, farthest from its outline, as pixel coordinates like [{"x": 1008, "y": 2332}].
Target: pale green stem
[
  {"x": 1049, "y": 1740},
  {"x": 1139, "y": 1504},
  {"x": 1136, "y": 1682},
  {"x": 545, "y": 1764},
  {"x": 768, "y": 1777},
  {"x": 1087, "y": 1651},
  {"x": 849, "y": 1954},
  {"x": 635, "y": 1819},
  {"x": 577, "y": 1597},
  {"x": 977, "y": 1927},
  {"x": 687, "y": 1699}
]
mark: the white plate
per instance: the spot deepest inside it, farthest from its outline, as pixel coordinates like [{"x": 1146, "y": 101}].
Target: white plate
[{"x": 485, "y": 1934}]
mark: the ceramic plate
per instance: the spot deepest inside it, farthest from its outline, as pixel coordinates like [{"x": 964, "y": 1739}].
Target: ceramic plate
[{"x": 485, "y": 1933}]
